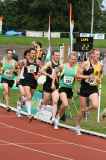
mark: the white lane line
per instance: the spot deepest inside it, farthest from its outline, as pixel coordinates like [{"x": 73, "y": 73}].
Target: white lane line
[
  {"x": 36, "y": 150},
  {"x": 38, "y": 143},
  {"x": 30, "y": 143},
  {"x": 55, "y": 139}
]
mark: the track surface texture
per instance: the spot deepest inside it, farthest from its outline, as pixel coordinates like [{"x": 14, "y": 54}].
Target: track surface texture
[{"x": 21, "y": 139}]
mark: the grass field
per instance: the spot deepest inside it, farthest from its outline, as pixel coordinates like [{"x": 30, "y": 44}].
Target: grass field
[{"x": 22, "y": 40}]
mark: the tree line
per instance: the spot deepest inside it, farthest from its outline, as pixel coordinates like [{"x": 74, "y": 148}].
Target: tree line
[{"x": 33, "y": 15}]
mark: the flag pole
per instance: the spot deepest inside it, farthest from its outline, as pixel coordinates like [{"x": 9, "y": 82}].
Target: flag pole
[{"x": 48, "y": 56}]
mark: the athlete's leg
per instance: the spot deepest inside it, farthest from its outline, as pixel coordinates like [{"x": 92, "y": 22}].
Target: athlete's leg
[
  {"x": 22, "y": 91},
  {"x": 94, "y": 98},
  {"x": 81, "y": 114},
  {"x": 55, "y": 98},
  {"x": 46, "y": 98},
  {"x": 28, "y": 98},
  {"x": 6, "y": 93},
  {"x": 64, "y": 104}
]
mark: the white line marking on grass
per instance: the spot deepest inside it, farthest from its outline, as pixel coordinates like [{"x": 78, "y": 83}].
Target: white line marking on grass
[
  {"x": 55, "y": 139},
  {"x": 36, "y": 150}
]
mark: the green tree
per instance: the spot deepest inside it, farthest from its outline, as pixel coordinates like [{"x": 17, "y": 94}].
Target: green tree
[{"x": 33, "y": 15}]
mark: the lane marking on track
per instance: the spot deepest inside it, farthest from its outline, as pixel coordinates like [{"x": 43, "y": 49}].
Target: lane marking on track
[
  {"x": 55, "y": 139},
  {"x": 38, "y": 143},
  {"x": 36, "y": 150}
]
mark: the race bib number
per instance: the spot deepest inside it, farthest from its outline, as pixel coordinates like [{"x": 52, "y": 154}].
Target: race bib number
[
  {"x": 8, "y": 73},
  {"x": 31, "y": 69},
  {"x": 91, "y": 81},
  {"x": 68, "y": 80}
]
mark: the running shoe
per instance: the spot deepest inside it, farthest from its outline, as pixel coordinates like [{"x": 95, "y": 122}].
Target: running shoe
[
  {"x": 18, "y": 111},
  {"x": 52, "y": 120},
  {"x": 30, "y": 117},
  {"x": 77, "y": 130},
  {"x": 56, "y": 123}
]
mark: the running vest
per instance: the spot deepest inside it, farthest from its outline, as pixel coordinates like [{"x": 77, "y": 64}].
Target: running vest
[
  {"x": 96, "y": 73},
  {"x": 68, "y": 76},
  {"x": 30, "y": 69},
  {"x": 50, "y": 71},
  {"x": 8, "y": 69}
]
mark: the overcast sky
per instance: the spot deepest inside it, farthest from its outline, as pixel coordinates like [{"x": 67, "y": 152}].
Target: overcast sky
[{"x": 104, "y": 3}]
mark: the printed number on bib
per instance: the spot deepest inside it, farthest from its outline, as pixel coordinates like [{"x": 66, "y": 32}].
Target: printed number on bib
[
  {"x": 68, "y": 80},
  {"x": 91, "y": 81},
  {"x": 31, "y": 69}
]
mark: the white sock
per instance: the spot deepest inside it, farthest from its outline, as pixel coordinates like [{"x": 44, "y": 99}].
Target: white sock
[
  {"x": 28, "y": 105},
  {"x": 53, "y": 119}
]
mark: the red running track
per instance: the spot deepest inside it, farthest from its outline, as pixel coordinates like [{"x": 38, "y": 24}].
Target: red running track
[{"x": 22, "y": 140}]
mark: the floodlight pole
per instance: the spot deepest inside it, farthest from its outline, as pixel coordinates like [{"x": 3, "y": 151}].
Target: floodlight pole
[
  {"x": 49, "y": 32},
  {"x": 92, "y": 17}
]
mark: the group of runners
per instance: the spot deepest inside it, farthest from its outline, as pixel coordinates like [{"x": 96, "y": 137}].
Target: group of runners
[{"x": 58, "y": 83}]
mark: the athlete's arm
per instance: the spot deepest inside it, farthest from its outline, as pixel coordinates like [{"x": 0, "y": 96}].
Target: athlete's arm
[
  {"x": 22, "y": 63},
  {"x": 80, "y": 74},
  {"x": 44, "y": 68},
  {"x": 1, "y": 66},
  {"x": 100, "y": 76},
  {"x": 59, "y": 68}
]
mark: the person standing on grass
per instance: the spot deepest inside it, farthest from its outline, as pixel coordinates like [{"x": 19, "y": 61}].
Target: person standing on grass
[
  {"x": 66, "y": 81},
  {"x": 28, "y": 79},
  {"x": 90, "y": 73},
  {"x": 7, "y": 75}
]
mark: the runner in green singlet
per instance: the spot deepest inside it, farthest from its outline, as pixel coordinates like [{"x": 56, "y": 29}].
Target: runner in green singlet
[
  {"x": 8, "y": 74},
  {"x": 67, "y": 78}
]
